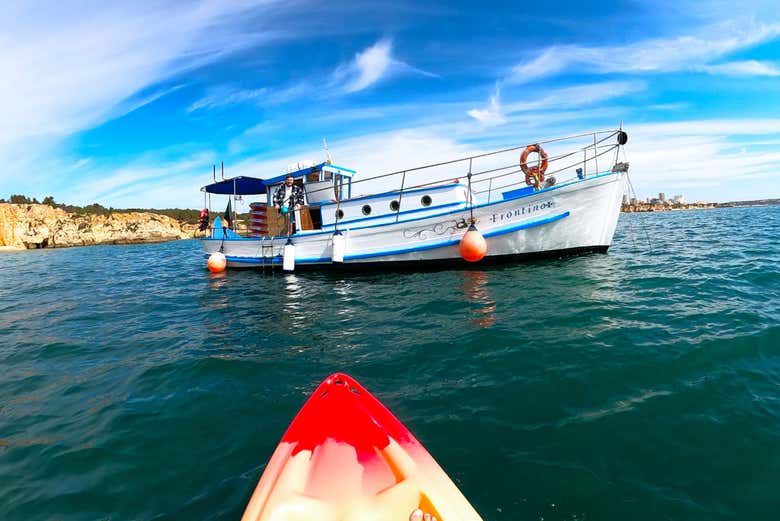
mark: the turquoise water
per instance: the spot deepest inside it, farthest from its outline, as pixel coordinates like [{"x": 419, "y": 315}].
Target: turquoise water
[{"x": 643, "y": 384}]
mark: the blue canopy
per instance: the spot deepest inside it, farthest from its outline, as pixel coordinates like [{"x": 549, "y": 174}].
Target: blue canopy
[
  {"x": 240, "y": 185},
  {"x": 243, "y": 185}
]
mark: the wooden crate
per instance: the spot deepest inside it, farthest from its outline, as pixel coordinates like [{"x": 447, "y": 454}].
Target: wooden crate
[{"x": 276, "y": 222}]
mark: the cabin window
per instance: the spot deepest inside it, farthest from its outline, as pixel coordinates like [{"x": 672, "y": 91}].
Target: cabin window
[
  {"x": 366, "y": 209},
  {"x": 394, "y": 206},
  {"x": 426, "y": 200},
  {"x": 339, "y": 214}
]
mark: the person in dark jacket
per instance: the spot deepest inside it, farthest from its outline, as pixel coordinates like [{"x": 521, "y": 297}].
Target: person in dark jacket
[{"x": 287, "y": 199}]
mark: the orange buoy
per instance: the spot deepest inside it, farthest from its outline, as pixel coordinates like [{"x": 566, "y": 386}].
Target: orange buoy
[
  {"x": 473, "y": 246},
  {"x": 217, "y": 262}
]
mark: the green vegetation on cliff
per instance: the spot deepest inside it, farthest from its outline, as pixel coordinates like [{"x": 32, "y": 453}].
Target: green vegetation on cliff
[{"x": 181, "y": 215}]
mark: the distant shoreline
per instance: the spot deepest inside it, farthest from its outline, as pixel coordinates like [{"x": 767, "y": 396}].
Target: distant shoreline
[
  {"x": 670, "y": 207},
  {"x": 35, "y": 226}
]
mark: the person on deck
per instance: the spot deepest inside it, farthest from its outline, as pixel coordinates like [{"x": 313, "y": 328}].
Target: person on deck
[{"x": 287, "y": 199}]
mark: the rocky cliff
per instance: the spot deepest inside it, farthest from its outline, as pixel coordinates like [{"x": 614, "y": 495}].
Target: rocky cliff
[{"x": 30, "y": 226}]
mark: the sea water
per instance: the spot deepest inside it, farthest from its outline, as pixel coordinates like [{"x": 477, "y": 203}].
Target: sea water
[{"x": 642, "y": 384}]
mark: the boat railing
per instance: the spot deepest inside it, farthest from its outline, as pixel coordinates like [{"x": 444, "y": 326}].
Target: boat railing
[
  {"x": 492, "y": 172},
  {"x": 576, "y": 165}
]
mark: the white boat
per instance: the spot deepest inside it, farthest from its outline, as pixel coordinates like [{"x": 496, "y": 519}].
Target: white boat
[{"x": 525, "y": 202}]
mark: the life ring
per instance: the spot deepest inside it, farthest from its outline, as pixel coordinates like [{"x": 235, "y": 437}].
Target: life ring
[{"x": 534, "y": 175}]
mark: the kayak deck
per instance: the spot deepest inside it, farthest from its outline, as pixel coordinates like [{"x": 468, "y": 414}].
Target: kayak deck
[{"x": 345, "y": 457}]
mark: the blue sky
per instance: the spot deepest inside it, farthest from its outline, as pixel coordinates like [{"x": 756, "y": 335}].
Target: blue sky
[{"x": 130, "y": 103}]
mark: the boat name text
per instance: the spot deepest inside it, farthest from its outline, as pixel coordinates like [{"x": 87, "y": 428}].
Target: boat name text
[{"x": 519, "y": 212}]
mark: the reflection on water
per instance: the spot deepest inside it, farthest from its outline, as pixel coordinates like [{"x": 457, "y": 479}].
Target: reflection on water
[
  {"x": 294, "y": 302},
  {"x": 292, "y": 286},
  {"x": 342, "y": 289},
  {"x": 476, "y": 291},
  {"x": 216, "y": 275}
]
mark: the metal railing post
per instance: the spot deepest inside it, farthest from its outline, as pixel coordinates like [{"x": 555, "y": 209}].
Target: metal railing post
[
  {"x": 471, "y": 193},
  {"x": 585, "y": 162},
  {"x": 400, "y": 197}
]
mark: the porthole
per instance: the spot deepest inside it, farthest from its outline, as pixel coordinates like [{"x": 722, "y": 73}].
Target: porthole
[
  {"x": 426, "y": 200},
  {"x": 339, "y": 214},
  {"x": 394, "y": 206},
  {"x": 366, "y": 209}
]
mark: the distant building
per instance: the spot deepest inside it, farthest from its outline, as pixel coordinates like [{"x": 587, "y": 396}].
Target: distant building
[
  {"x": 634, "y": 202},
  {"x": 625, "y": 198},
  {"x": 678, "y": 199},
  {"x": 662, "y": 197}
]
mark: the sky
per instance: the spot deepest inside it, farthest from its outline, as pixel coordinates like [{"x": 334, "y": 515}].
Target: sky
[{"x": 129, "y": 104}]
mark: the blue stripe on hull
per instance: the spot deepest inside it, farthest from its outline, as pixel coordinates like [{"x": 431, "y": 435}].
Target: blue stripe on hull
[
  {"x": 259, "y": 261},
  {"x": 452, "y": 242}
]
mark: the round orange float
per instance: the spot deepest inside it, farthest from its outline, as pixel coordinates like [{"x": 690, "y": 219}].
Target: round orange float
[
  {"x": 217, "y": 262},
  {"x": 473, "y": 246}
]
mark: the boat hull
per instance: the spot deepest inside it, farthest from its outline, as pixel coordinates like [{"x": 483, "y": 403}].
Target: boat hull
[{"x": 570, "y": 219}]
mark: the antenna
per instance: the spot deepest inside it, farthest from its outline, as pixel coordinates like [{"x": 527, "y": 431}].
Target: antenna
[
  {"x": 214, "y": 172},
  {"x": 327, "y": 152},
  {"x": 223, "y": 170}
]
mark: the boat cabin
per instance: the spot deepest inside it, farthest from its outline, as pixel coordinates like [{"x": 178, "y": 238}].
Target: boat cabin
[{"x": 329, "y": 201}]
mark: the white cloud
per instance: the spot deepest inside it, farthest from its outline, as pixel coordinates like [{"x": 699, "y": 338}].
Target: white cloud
[
  {"x": 679, "y": 53},
  {"x": 492, "y": 115},
  {"x": 369, "y": 67},
  {"x": 225, "y": 96},
  {"x": 148, "y": 183},
  {"x": 81, "y": 163},
  {"x": 70, "y": 68},
  {"x": 578, "y": 96},
  {"x": 744, "y": 68},
  {"x": 551, "y": 61},
  {"x": 717, "y": 159},
  {"x": 669, "y": 106},
  {"x": 66, "y": 71},
  {"x": 553, "y": 102}
]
